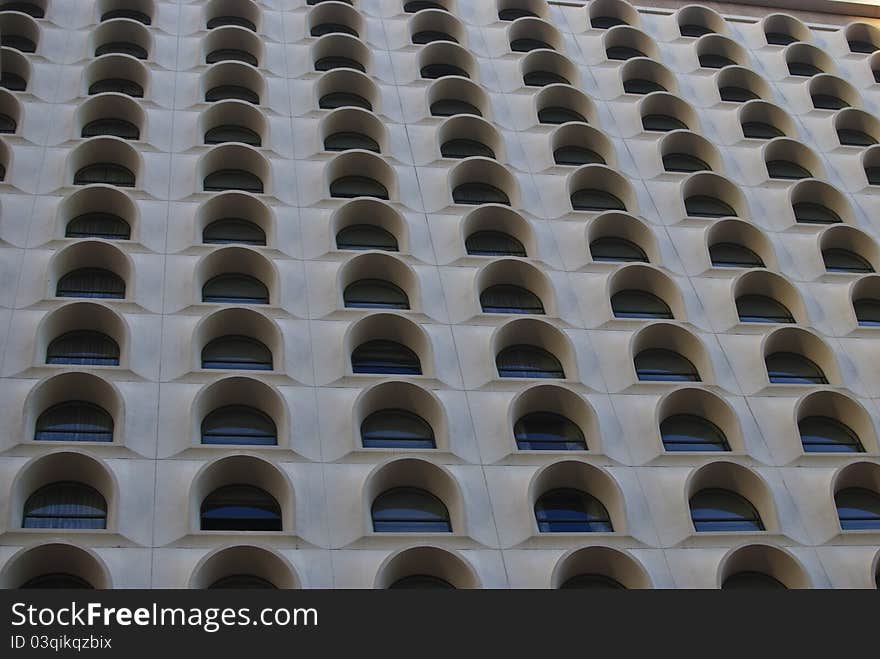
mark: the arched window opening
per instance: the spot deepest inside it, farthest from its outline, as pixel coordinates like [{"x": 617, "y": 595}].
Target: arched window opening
[
  {"x": 338, "y": 62},
  {"x": 544, "y": 78},
  {"x": 760, "y": 130},
  {"x": 365, "y": 237},
  {"x": 232, "y": 133},
  {"x": 526, "y": 361},
  {"x": 507, "y": 298},
  {"x": 374, "y": 294},
  {"x": 396, "y": 429},
  {"x": 684, "y": 162},
  {"x": 98, "y": 225},
  {"x": 240, "y": 508},
  {"x": 55, "y": 581},
  {"x": 332, "y": 28},
  {"x": 232, "y": 92},
  {"x": 858, "y": 509},
  {"x": 822, "y": 434},
  {"x": 560, "y": 115},
  {"x": 231, "y": 230},
  {"x": 566, "y": 510},
  {"x": 639, "y": 304},
  {"x": 591, "y": 199},
  {"x": 349, "y": 187},
  {"x": 694, "y": 30},
  {"x": 335, "y": 100},
  {"x": 233, "y": 179},
  {"x": 409, "y": 510},
  {"x": 227, "y": 21},
  {"x": 779, "y": 38},
  {"x": 74, "y": 421},
  {"x": 242, "y": 582},
  {"x": 867, "y": 312},
  {"x": 118, "y": 86},
  {"x": 843, "y": 260},
  {"x": 577, "y": 155},
  {"x": 18, "y": 42},
  {"x": 762, "y": 309},
  {"x": 449, "y": 107},
  {"x": 494, "y": 243},
  {"x": 91, "y": 283},
  {"x": 854, "y": 137},
  {"x": 346, "y": 140},
  {"x": 751, "y": 581},
  {"x": 612, "y": 249},
  {"x": 642, "y": 86},
  {"x": 83, "y": 347},
  {"x": 606, "y": 22},
  {"x": 231, "y": 55},
  {"x": 703, "y": 206},
  {"x": 8, "y": 125},
  {"x": 808, "y": 212},
  {"x": 715, "y": 61},
  {"x": 465, "y": 148},
  {"x": 526, "y": 44},
  {"x": 131, "y": 14},
  {"x": 734, "y": 94},
  {"x": 592, "y": 582},
  {"x": 239, "y": 425},
  {"x": 235, "y": 288},
  {"x": 385, "y": 357},
  {"x": 121, "y": 48},
  {"x": 12, "y": 81},
  {"x": 828, "y": 102},
  {"x": 548, "y": 431},
  {"x": 111, "y": 126},
  {"x": 662, "y": 123},
  {"x": 733, "y": 255},
  {"x": 660, "y": 365},
  {"x": 803, "y": 69},
  {"x": 689, "y": 432},
  {"x": 785, "y": 169},
  {"x": 623, "y": 52},
  {"x": 716, "y": 510},
  {"x": 792, "y": 368},
  {"x": 65, "y": 505},
  {"x": 479, "y": 193},
  {"x": 441, "y": 69},
  {"x": 107, "y": 173},
  {"x": 421, "y": 582},
  {"x": 237, "y": 352}
]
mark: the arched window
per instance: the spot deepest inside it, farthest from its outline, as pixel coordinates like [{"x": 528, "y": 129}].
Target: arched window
[
  {"x": 807, "y": 212},
  {"x": 374, "y": 294},
  {"x": 449, "y": 107},
  {"x": 762, "y": 309},
  {"x": 121, "y": 48},
  {"x": 592, "y": 582},
  {"x": 98, "y": 225},
  {"x": 715, "y": 509},
  {"x": 689, "y": 432},
  {"x": 566, "y": 510},
  {"x": 430, "y": 36},
  {"x": 659, "y": 365},
  {"x": 694, "y": 30},
  {"x": 28, "y": 8},
  {"x": 233, "y": 230},
  {"x": 576, "y": 155},
  {"x": 465, "y": 148},
  {"x": 684, "y": 162},
  {"x": 703, "y": 206},
  {"x": 544, "y": 78},
  {"x": 225, "y": 21},
  {"x": 386, "y": 357},
  {"x": 662, "y": 123},
  {"x": 873, "y": 175},
  {"x": 526, "y": 44},
  {"x": 332, "y": 28},
  {"x": 413, "y": 6},
  {"x": 237, "y": 352},
  {"x": 858, "y": 509},
  {"x": 112, "y": 126},
  {"x": 613, "y": 249},
  {"x": 861, "y": 46},
  {"x": 548, "y": 431},
  {"x": 91, "y": 283},
  {"x": 421, "y": 582},
  {"x": 240, "y": 508},
  {"x": 232, "y": 92},
  {"x": 844, "y": 260},
  {"x": 232, "y": 133},
  {"x": 83, "y": 347},
  {"x": 853, "y": 137},
  {"x": 12, "y": 81},
  {"x": 715, "y": 61},
  {"x": 623, "y": 52},
  {"x": 239, "y": 424},
  {"x": 397, "y": 429},
  {"x": 235, "y": 288},
  {"x": 479, "y": 193},
  {"x": 365, "y": 237},
  {"x": 606, "y": 22},
  {"x": 409, "y": 510},
  {"x": 132, "y": 14},
  {"x": 242, "y": 582},
  {"x": 65, "y": 505},
  {"x": 803, "y": 69},
  {"x": 338, "y": 62},
  {"x": 588, "y": 199},
  {"x": 493, "y": 243},
  {"x": 440, "y": 70},
  {"x": 349, "y": 187},
  {"x": 526, "y": 361},
  {"x": 733, "y": 255},
  {"x": 751, "y": 581},
  {"x": 760, "y": 130},
  {"x": 828, "y": 102},
  {"x": 8, "y": 125},
  {"x": 508, "y": 298},
  {"x": 792, "y": 368},
  {"x": 116, "y": 85},
  {"x": 105, "y": 172},
  {"x": 512, "y": 13},
  {"x": 346, "y": 140},
  {"x": 57, "y": 580},
  {"x": 779, "y": 38},
  {"x": 642, "y": 86},
  {"x": 736, "y": 94},
  {"x": 559, "y": 115},
  {"x": 639, "y": 304},
  {"x": 822, "y": 434},
  {"x": 233, "y": 179},
  {"x": 335, "y": 100},
  {"x": 867, "y": 312},
  {"x": 785, "y": 169},
  {"x": 74, "y": 421}
]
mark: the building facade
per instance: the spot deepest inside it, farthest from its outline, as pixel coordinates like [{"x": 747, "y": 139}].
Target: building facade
[{"x": 497, "y": 294}]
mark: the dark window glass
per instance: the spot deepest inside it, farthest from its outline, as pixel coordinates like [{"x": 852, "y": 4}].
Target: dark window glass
[
  {"x": 762, "y": 309},
  {"x": 374, "y": 294},
  {"x": 25, "y": 8},
  {"x": 2, "y": 172},
  {"x": 439, "y": 70},
  {"x": 409, "y": 510},
  {"x": 867, "y": 312},
  {"x": 451, "y": 106},
  {"x": 235, "y": 288},
  {"x": 688, "y": 432},
  {"x": 83, "y": 347},
  {"x": 566, "y": 510},
  {"x": 592, "y": 582},
  {"x": 18, "y": 42},
  {"x": 715, "y": 61},
  {"x": 430, "y": 36},
  {"x": 785, "y": 169},
  {"x": 722, "y": 510},
  {"x": 231, "y": 55},
  {"x": 332, "y": 28},
  {"x": 812, "y": 213},
  {"x": 233, "y": 179},
  {"x": 74, "y": 421},
  {"x": 792, "y": 368},
  {"x": 240, "y": 508},
  {"x": 335, "y": 100},
  {"x": 493, "y": 243},
  {"x": 525, "y": 361},
  {"x": 515, "y": 12},
  {"x": 397, "y": 429},
  {"x": 544, "y": 78},
  {"x": 385, "y": 357},
  {"x": 232, "y": 92},
  {"x": 576, "y": 155},
  {"x": 760, "y": 130},
  {"x": 224, "y": 21},
  {"x": 242, "y": 582},
  {"x": 12, "y": 81},
  {"x": 122, "y": 48},
  {"x": 642, "y": 86},
  {"x": 232, "y": 133},
  {"x": 694, "y": 30},
  {"x": 105, "y": 172},
  {"x": 844, "y": 260},
  {"x": 876, "y": 75},
  {"x": 526, "y": 44},
  {"x": 605, "y": 22},
  {"x": 65, "y": 505},
  {"x": 623, "y": 52},
  {"x": 853, "y": 137},
  {"x": 338, "y": 62},
  {"x": 233, "y": 230},
  {"x": 548, "y": 431},
  {"x": 732, "y": 255},
  {"x": 614, "y": 249},
  {"x": 479, "y": 193},
  {"x": 507, "y": 298},
  {"x": 421, "y": 582},
  {"x": 828, "y": 102},
  {"x": 117, "y": 85},
  {"x": 98, "y": 225},
  {"x": 804, "y": 69},
  {"x": 858, "y": 509},
  {"x": 822, "y": 434},
  {"x": 859, "y": 46},
  {"x": 736, "y": 94},
  {"x": 639, "y": 304},
  {"x": 465, "y": 148},
  {"x": 109, "y": 126},
  {"x": 703, "y": 206},
  {"x": 659, "y": 365},
  {"x": 364, "y": 237},
  {"x": 559, "y": 115},
  {"x": 684, "y": 162},
  {"x": 8, "y": 125},
  {"x": 237, "y": 352},
  {"x": 662, "y": 123},
  {"x": 57, "y": 580},
  {"x": 873, "y": 174},
  {"x": 132, "y": 14},
  {"x": 349, "y": 187},
  {"x": 239, "y": 424},
  {"x": 596, "y": 200},
  {"x": 344, "y": 141},
  {"x": 779, "y": 38},
  {"x": 92, "y": 283},
  {"x": 751, "y": 581},
  {"x": 418, "y": 5}
]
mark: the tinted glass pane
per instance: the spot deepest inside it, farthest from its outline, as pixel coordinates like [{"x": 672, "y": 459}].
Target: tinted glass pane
[
  {"x": 702, "y": 206},
  {"x": 332, "y": 28},
  {"x": 639, "y": 304},
  {"x": 804, "y": 69},
  {"x": 479, "y": 193},
  {"x": 242, "y": 582},
  {"x": 126, "y": 13},
  {"x": 810, "y": 213},
  {"x": 349, "y": 187},
  {"x": 843, "y": 260},
  {"x": 791, "y": 368},
  {"x": 688, "y": 432},
  {"x": 736, "y": 94},
  {"x": 24, "y": 7},
  {"x": 118, "y": 85},
  {"x": 760, "y": 131},
  {"x": 505, "y": 298},
  {"x": 464, "y": 148},
  {"x": 381, "y": 356},
  {"x": 7, "y": 124},
  {"x": 123, "y": 48},
  {"x": 623, "y": 52},
  {"x": 366, "y": 236},
  {"x": 233, "y": 230},
  {"x": 91, "y": 283},
  {"x": 662, "y": 123},
  {"x": 230, "y": 55},
  {"x": 828, "y": 102},
  {"x": 440, "y": 70},
  {"x": 664, "y": 366},
  {"x": 853, "y": 137},
  {"x": 858, "y": 509},
  {"x": 337, "y": 62},
  {"x": 118, "y": 127},
  {"x": 235, "y": 288},
  {"x": 762, "y": 309},
  {"x": 223, "y": 21},
  {"x": 616, "y": 249},
  {"x": 525, "y": 361},
  {"x": 566, "y": 510},
  {"x": 642, "y": 86},
  {"x": 335, "y": 100},
  {"x": 548, "y": 431},
  {"x": 596, "y": 200},
  {"x": 83, "y": 347},
  {"x": 18, "y": 42},
  {"x": 713, "y": 61},
  {"x": 694, "y": 30},
  {"x": 751, "y": 581},
  {"x": 74, "y": 421},
  {"x": 731, "y": 255},
  {"x": 347, "y": 140},
  {"x": 559, "y": 115},
  {"x": 860, "y": 46},
  {"x": 375, "y": 294},
  {"x": 232, "y": 133},
  {"x": 107, "y": 173},
  {"x": 409, "y": 510},
  {"x": 723, "y": 510},
  {"x": 233, "y": 179},
  {"x": 98, "y": 225},
  {"x": 605, "y": 22},
  {"x": 867, "y": 312},
  {"x": 421, "y": 582},
  {"x": 524, "y": 45},
  {"x": 450, "y": 107},
  {"x": 237, "y": 352},
  {"x": 684, "y": 162},
  {"x": 239, "y": 424},
  {"x": 513, "y": 13},
  {"x": 576, "y": 155},
  {"x": 418, "y": 5},
  {"x": 65, "y": 505},
  {"x": 592, "y": 582},
  {"x": 779, "y": 38},
  {"x": 240, "y": 508},
  {"x": 822, "y": 434},
  {"x": 233, "y": 92},
  {"x": 544, "y": 78},
  {"x": 785, "y": 169},
  {"x": 494, "y": 243},
  {"x": 57, "y": 580},
  {"x": 430, "y": 36},
  {"x": 398, "y": 429},
  {"x": 873, "y": 174},
  {"x": 12, "y": 81}
]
